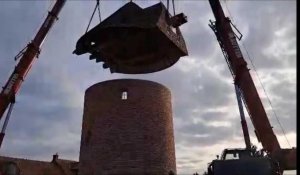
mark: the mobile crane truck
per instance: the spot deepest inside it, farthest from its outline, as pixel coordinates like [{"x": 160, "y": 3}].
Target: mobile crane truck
[{"x": 273, "y": 160}]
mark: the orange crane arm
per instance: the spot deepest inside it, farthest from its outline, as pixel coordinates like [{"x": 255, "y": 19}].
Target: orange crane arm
[
  {"x": 28, "y": 56},
  {"x": 228, "y": 42}
]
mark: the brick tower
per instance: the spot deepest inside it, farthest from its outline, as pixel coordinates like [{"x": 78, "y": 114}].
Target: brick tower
[{"x": 127, "y": 129}]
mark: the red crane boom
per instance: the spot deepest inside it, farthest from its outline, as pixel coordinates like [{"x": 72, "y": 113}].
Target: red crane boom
[
  {"x": 242, "y": 78},
  {"x": 27, "y": 57}
]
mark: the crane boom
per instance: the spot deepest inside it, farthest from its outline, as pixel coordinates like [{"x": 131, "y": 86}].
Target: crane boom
[
  {"x": 27, "y": 57},
  {"x": 238, "y": 67}
]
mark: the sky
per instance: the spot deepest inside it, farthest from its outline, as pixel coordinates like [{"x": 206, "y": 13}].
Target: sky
[{"x": 48, "y": 112}]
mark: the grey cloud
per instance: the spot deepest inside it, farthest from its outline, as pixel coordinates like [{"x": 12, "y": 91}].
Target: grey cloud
[
  {"x": 201, "y": 134},
  {"x": 213, "y": 116},
  {"x": 262, "y": 32},
  {"x": 285, "y": 90}
]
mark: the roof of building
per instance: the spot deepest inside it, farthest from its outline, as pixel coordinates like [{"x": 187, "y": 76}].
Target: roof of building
[{"x": 35, "y": 167}]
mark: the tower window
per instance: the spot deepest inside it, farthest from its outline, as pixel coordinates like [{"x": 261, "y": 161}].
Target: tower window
[{"x": 124, "y": 95}]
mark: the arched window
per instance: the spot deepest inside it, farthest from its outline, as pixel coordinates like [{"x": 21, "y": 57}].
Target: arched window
[{"x": 124, "y": 95}]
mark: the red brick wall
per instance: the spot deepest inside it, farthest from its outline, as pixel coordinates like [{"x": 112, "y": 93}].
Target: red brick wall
[{"x": 127, "y": 137}]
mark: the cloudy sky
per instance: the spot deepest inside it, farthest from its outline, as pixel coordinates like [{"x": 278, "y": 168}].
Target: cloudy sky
[{"x": 48, "y": 113}]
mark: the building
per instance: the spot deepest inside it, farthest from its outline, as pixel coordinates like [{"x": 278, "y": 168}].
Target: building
[{"x": 18, "y": 166}]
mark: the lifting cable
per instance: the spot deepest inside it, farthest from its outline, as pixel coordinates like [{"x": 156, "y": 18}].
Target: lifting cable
[
  {"x": 96, "y": 7},
  {"x": 173, "y": 4},
  {"x": 229, "y": 14},
  {"x": 260, "y": 82},
  {"x": 168, "y": 5}
]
